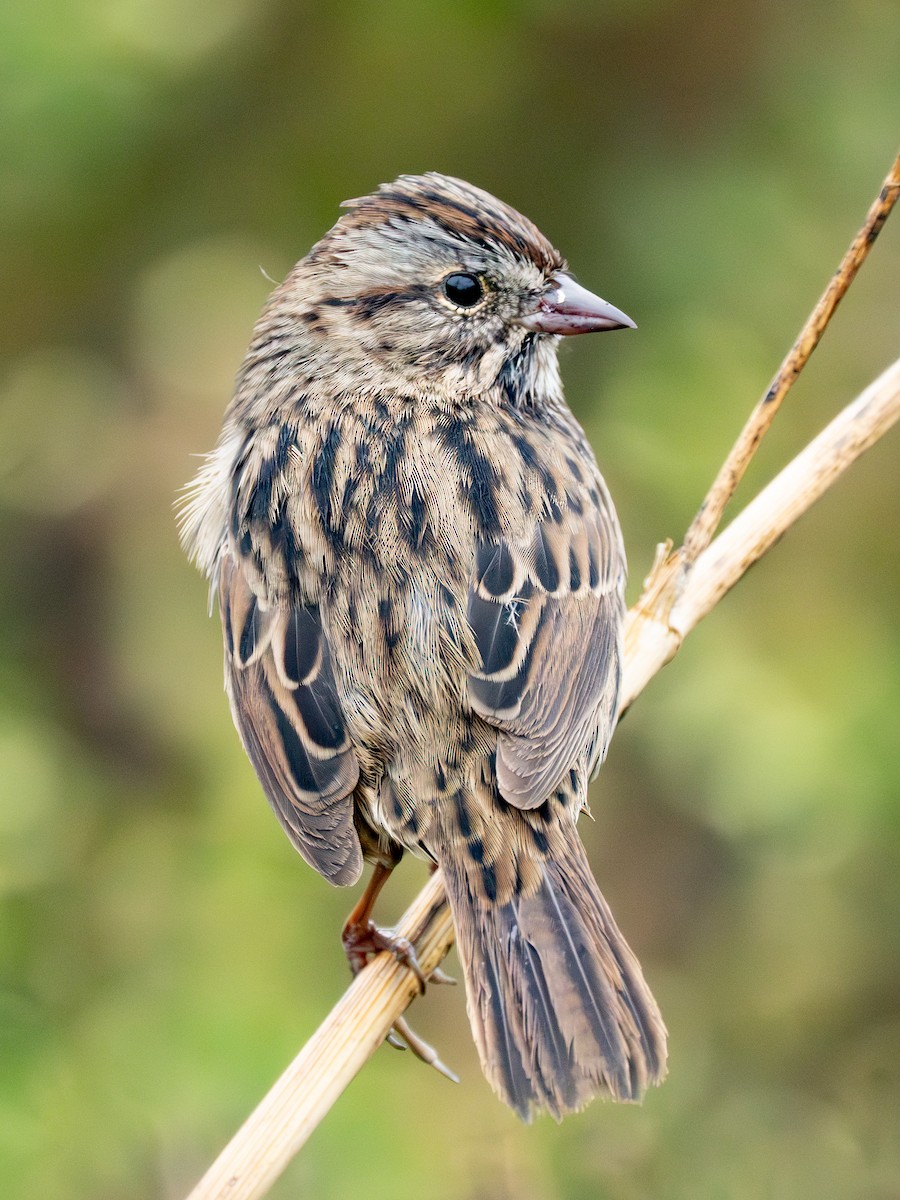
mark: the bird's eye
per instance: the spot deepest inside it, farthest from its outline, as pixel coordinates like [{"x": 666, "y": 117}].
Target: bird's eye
[{"x": 463, "y": 289}]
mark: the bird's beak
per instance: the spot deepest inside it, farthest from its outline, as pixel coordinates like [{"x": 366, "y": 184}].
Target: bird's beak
[{"x": 566, "y": 308}]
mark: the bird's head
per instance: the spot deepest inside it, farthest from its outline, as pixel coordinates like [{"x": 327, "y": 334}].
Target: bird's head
[{"x": 435, "y": 287}]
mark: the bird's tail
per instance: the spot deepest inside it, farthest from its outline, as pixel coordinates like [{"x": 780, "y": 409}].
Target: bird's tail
[{"x": 558, "y": 1004}]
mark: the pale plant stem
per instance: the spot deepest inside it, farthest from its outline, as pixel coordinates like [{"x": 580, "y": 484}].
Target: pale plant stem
[
  {"x": 706, "y": 522},
  {"x": 664, "y": 615},
  {"x": 357, "y": 1025},
  {"x": 346, "y": 1039}
]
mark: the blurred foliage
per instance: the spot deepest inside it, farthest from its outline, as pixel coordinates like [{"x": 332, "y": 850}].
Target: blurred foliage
[{"x": 162, "y": 950}]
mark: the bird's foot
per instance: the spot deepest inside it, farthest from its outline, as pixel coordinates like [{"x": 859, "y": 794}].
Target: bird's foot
[
  {"x": 401, "y": 1029},
  {"x": 363, "y": 941}
]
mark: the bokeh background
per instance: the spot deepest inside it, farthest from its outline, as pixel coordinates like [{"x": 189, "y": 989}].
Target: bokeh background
[{"x": 163, "y": 952}]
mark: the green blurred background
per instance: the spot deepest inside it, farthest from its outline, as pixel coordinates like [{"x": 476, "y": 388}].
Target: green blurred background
[{"x": 163, "y": 952}]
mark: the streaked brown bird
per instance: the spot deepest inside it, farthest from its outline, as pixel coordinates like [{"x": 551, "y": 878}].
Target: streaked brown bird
[{"x": 420, "y": 575}]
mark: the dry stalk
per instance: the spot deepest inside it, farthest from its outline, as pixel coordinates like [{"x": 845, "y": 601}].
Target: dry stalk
[
  {"x": 357, "y": 1025},
  {"x": 706, "y": 522},
  {"x": 349, "y": 1035},
  {"x": 656, "y": 626}
]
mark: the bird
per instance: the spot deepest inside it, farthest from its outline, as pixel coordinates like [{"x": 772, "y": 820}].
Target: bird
[{"x": 420, "y": 575}]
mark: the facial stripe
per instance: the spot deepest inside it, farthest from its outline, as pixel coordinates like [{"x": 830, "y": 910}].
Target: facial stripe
[{"x": 459, "y": 209}]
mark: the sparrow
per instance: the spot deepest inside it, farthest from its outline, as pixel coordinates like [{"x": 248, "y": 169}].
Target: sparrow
[{"x": 420, "y": 575}]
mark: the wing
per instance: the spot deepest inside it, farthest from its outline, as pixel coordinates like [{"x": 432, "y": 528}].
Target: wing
[
  {"x": 547, "y": 616},
  {"x": 285, "y": 705}
]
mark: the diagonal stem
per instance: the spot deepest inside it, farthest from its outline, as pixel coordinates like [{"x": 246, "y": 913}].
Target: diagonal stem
[
  {"x": 346, "y": 1039},
  {"x": 706, "y": 522}
]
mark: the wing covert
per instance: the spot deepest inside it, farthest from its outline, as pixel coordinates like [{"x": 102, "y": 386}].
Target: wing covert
[
  {"x": 285, "y": 705},
  {"x": 547, "y": 613}
]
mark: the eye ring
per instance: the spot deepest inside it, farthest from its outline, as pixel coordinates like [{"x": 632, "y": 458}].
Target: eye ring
[{"x": 463, "y": 289}]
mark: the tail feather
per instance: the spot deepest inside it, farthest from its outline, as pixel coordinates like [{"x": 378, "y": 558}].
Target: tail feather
[{"x": 558, "y": 1004}]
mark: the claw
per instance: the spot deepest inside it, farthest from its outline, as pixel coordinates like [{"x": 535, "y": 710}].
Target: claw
[
  {"x": 421, "y": 1049},
  {"x": 393, "y": 1040},
  {"x": 404, "y": 952},
  {"x": 439, "y": 976}
]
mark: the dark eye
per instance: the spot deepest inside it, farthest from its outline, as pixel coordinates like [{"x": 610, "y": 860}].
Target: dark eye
[{"x": 463, "y": 289}]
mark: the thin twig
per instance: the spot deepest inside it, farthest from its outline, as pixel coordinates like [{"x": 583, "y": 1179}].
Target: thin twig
[
  {"x": 706, "y": 522},
  {"x": 285, "y": 1118},
  {"x": 656, "y": 628}
]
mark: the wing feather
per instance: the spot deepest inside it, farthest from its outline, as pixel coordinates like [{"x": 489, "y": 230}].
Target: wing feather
[
  {"x": 547, "y": 614},
  {"x": 285, "y": 705}
]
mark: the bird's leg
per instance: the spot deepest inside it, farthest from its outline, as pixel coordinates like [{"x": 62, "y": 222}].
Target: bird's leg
[{"x": 361, "y": 937}]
